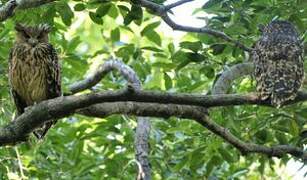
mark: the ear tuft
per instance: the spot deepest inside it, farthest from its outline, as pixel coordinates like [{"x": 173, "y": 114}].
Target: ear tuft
[
  {"x": 45, "y": 27},
  {"x": 19, "y": 27}
]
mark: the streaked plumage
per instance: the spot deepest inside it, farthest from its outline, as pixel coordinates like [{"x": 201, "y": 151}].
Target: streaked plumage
[
  {"x": 278, "y": 59},
  {"x": 34, "y": 71}
]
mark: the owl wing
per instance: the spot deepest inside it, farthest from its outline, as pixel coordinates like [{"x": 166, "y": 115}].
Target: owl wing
[
  {"x": 288, "y": 77},
  {"x": 262, "y": 68},
  {"x": 53, "y": 80},
  {"x": 279, "y": 71},
  {"x": 18, "y": 101},
  {"x": 53, "y": 74}
]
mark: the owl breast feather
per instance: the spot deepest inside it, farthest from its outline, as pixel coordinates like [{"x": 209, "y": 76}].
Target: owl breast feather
[{"x": 28, "y": 74}]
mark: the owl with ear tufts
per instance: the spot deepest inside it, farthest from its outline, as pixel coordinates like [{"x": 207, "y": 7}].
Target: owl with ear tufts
[
  {"x": 278, "y": 60},
  {"x": 34, "y": 71}
]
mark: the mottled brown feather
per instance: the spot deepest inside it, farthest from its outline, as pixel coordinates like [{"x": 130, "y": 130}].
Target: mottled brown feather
[
  {"x": 34, "y": 71},
  {"x": 277, "y": 56}
]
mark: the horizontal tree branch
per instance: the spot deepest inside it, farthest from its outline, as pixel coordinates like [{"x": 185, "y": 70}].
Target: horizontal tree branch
[
  {"x": 64, "y": 106},
  {"x": 191, "y": 112},
  {"x": 161, "y": 10},
  {"x": 223, "y": 84},
  {"x": 7, "y": 10},
  {"x": 208, "y": 101},
  {"x": 25, "y": 4}
]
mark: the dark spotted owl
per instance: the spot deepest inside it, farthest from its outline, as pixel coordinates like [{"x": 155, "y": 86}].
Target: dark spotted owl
[
  {"x": 34, "y": 71},
  {"x": 278, "y": 59}
]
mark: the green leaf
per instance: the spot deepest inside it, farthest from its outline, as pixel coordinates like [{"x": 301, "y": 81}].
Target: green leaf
[
  {"x": 196, "y": 57},
  {"x": 181, "y": 164},
  {"x": 126, "y": 51},
  {"x": 239, "y": 173},
  {"x": 213, "y": 162},
  {"x": 197, "y": 158},
  {"x": 208, "y": 71},
  {"x": 164, "y": 66},
  {"x": 212, "y": 4},
  {"x": 65, "y": 12},
  {"x": 262, "y": 136},
  {"x": 217, "y": 48},
  {"x": 72, "y": 45},
  {"x": 226, "y": 155},
  {"x": 150, "y": 27},
  {"x": 115, "y": 35},
  {"x": 95, "y": 18},
  {"x": 167, "y": 81},
  {"x": 127, "y": 20},
  {"x": 135, "y": 14},
  {"x": 103, "y": 9},
  {"x": 294, "y": 129},
  {"x": 193, "y": 46},
  {"x": 79, "y": 7},
  {"x": 171, "y": 48},
  {"x": 261, "y": 168},
  {"x": 113, "y": 13},
  {"x": 124, "y": 10},
  {"x": 154, "y": 37},
  {"x": 281, "y": 137},
  {"x": 154, "y": 49}
]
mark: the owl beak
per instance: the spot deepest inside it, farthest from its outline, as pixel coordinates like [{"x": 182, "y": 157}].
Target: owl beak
[{"x": 33, "y": 42}]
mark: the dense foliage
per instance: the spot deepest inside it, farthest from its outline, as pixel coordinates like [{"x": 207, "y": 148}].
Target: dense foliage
[{"x": 85, "y": 32}]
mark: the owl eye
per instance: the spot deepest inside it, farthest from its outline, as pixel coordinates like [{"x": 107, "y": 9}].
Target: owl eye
[
  {"x": 40, "y": 36},
  {"x": 26, "y": 35}
]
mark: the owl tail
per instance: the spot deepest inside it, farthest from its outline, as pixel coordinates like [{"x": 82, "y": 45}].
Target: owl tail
[
  {"x": 280, "y": 99},
  {"x": 42, "y": 131}
]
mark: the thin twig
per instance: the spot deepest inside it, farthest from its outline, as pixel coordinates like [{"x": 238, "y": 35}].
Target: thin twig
[
  {"x": 178, "y": 3},
  {"x": 19, "y": 163},
  {"x": 161, "y": 10},
  {"x": 205, "y": 30}
]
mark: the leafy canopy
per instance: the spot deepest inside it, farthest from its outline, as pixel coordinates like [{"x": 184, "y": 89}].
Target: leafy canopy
[{"x": 87, "y": 31}]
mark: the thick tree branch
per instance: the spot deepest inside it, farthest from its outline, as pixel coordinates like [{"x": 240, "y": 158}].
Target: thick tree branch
[
  {"x": 58, "y": 107},
  {"x": 7, "y": 10},
  {"x": 224, "y": 82},
  {"x": 161, "y": 10},
  {"x": 143, "y": 124},
  {"x": 64, "y": 106},
  {"x": 191, "y": 112},
  {"x": 185, "y": 98}
]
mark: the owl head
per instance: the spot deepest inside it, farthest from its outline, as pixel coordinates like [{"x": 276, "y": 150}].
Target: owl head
[
  {"x": 32, "y": 35},
  {"x": 278, "y": 27}
]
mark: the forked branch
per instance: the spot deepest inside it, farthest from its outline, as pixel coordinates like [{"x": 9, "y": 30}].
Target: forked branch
[{"x": 162, "y": 10}]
